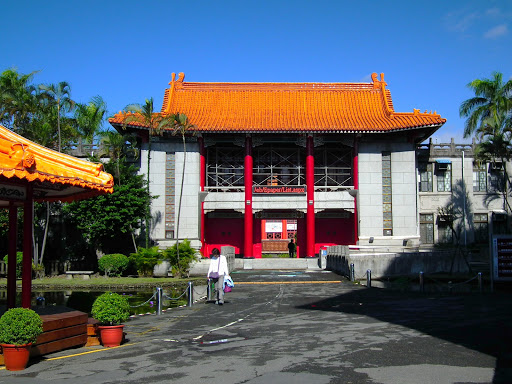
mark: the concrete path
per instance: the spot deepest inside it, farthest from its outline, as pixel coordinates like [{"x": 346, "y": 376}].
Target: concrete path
[{"x": 300, "y": 327}]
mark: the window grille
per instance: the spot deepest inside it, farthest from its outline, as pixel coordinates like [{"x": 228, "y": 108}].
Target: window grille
[
  {"x": 479, "y": 177},
  {"x": 225, "y": 169},
  {"x": 481, "y": 228},
  {"x": 278, "y": 165},
  {"x": 333, "y": 167},
  {"x": 427, "y": 228},
  {"x": 170, "y": 185},
  {"x": 496, "y": 178},
  {"x": 444, "y": 178},
  {"x": 426, "y": 177},
  {"x": 387, "y": 212}
]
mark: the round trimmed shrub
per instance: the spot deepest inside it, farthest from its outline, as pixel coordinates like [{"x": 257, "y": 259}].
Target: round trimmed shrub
[
  {"x": 111, "y": 308},
  {"x": 20, "y": 326},
  {"x": 113, "y": 264}
]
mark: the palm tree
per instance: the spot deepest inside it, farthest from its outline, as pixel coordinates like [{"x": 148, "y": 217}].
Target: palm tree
[
  {"x": 495, "y": 146},
  {"x": 18, "y": 99},
  {"x": 90, "y": 117},
  {"x": 156, "y": 123},
  {"x": 493, "y": 99},
  {"x": 59, "y": 95},
  {"x": 489, "y": 118},
  {"x": 181, "y": 126}
]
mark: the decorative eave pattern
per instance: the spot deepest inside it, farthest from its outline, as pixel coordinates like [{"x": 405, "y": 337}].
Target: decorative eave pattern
[
  {"x": 288, "y": 107},
  {"x": 57, "y": 176}
]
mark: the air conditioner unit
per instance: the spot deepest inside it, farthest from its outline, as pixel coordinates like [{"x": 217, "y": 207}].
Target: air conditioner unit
[{"x": 496, "y": 166}]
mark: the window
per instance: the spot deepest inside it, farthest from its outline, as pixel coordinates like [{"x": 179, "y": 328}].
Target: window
[
  {"x": 427, "y": 228},
  {"x": 444, "y": 177},
  {"x": 387, "y": 212},
  {"x": 333, "y": 167},
  {"x": 499, "y": 223},
  {"x": 481, "y": 228},
  {"x": 425, "y": 184},
  {"x": 444, "y": 227},
  {"x": 496, "y": 178},
  {"x": 479, "y": 177}
]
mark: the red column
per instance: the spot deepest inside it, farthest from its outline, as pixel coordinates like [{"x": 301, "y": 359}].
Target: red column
[
  {"x": 11, "y": 258},
  {"x": 248, "y": 198},
  {"x": 202, "y": 182},
  {"x": 355, "y": 177},
  {"x": 310, "y": 194},
  {"x": 26, "y": 276}
]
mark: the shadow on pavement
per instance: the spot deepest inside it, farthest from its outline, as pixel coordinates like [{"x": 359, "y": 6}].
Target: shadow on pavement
[{"x": 481, "y": 322}]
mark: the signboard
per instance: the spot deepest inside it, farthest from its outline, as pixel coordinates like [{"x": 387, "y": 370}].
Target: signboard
[
  {"x": 274, "y": 226},
  {"x": 502, "y": 257},
  {"x": 279, "y": 190},
  {"x": 291, "y": 226},
  {"x": 12, "y": 192}
]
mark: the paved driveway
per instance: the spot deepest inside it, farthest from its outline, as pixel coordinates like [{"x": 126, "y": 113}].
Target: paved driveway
[{"x": 298, "y": 327}]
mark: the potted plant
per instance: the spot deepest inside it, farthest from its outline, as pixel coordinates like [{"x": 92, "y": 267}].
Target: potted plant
[
  {"x": 111, "y": 309},
  {"x": 19, "y": 328}
]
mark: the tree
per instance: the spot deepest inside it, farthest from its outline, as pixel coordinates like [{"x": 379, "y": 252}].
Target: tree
[
  {"x": 18, "y": 99},
  {"x": 58, "y": 96},
  {"x": 156, "y": 124},
  {"x": 89, "y": 118},
  {"x": 181, "y": 126},
  {"x": 107, "y": 221},
  {"x": 493, "y": 99},
  {"x": 489, "y": 119}
]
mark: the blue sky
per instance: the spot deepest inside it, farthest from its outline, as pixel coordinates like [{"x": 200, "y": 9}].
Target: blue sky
[{"x": 125, "y": 51}]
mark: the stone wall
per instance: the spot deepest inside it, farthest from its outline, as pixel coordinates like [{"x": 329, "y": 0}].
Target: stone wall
[{"x": 390, "y": 264}]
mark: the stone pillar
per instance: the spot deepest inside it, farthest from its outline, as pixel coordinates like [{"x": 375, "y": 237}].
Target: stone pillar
[
  {"x": 248, "y": 218},
  {"x": 202, "y": 183},
  {"x": 355, "y": 178},
  {"x": 310, "y": 195}
]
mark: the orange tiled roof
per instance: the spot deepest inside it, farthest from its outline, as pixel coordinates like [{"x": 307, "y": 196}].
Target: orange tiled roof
[
  {"x": 54, "y": 175},
  {"x": 279, "y": 107}
]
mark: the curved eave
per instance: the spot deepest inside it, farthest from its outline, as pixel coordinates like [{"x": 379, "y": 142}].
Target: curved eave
[{"x": 55, "y": 175}]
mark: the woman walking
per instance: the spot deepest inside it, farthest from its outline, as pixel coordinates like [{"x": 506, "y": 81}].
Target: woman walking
[{"x": 218, "y": 269}]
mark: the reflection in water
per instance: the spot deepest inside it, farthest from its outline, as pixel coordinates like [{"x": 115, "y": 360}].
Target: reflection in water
[{"x": 142, "y": 301}]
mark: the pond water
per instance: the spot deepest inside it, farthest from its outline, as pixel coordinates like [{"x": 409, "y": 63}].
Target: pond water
[{"x": 141, "y": 301}]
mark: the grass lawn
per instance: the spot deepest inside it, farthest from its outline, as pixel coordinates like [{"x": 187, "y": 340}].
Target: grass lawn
[{"x": 102, "y": 282}]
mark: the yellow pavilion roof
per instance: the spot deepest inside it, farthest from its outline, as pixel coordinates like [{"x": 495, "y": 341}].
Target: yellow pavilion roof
[{"x": 53, "y": 175}]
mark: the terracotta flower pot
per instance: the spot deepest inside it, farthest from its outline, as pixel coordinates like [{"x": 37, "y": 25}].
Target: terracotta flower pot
[
  {"x": 111, "y": 335},
  {"x": 16, "y": 356}
]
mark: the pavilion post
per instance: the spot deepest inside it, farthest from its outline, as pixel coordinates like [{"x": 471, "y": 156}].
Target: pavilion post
[
  {"x": 11, "y": 258},
  {"x": 26, "y": 277}
]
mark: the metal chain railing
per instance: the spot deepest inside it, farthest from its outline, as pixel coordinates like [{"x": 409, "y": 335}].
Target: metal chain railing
[
  {"x": 144, "y": 303},
  {"x": 450, "y": 285},
  {"x": 159, "y": 296}
]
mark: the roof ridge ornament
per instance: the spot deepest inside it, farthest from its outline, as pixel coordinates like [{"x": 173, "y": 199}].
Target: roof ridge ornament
[
  {"x": 376, "y": 82},
  {"x": 174, "y": 84}
]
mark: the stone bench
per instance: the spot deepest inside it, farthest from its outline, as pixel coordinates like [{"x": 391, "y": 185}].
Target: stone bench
[{"x": 85, "y": 274}]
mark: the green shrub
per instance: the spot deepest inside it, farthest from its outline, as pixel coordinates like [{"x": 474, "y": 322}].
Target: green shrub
[
  {"x": 19, "y": 262},
  {"x": 274, "y": 255},
  {"x": 113, "y": 264},
  {"x": 20, "y": 326},
  {"x": 111, "y": 308},
  {"x": 145, "y": 259},
  {"x": 187, "y": 254}
]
